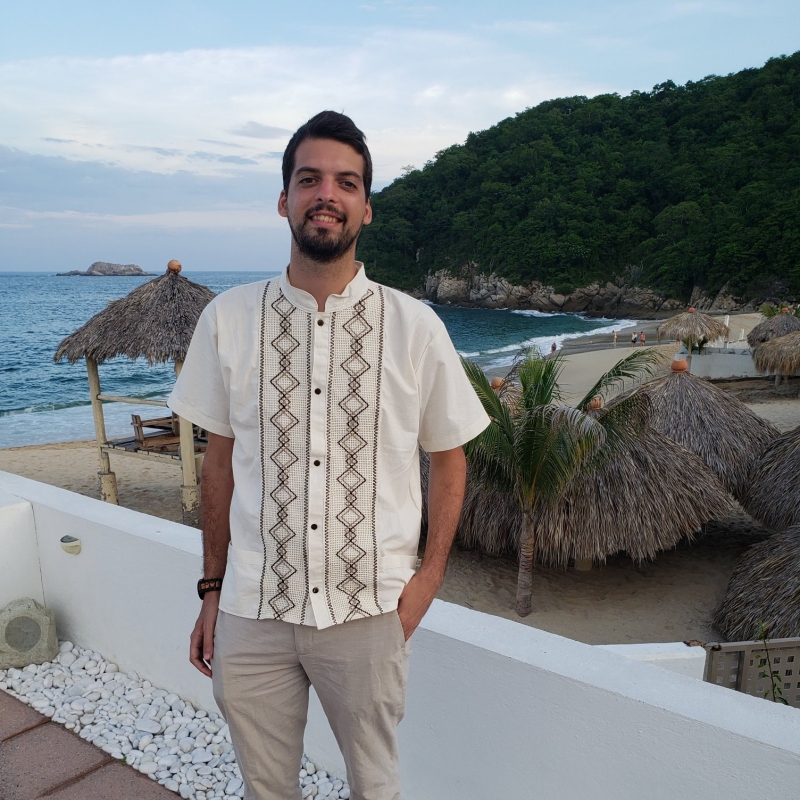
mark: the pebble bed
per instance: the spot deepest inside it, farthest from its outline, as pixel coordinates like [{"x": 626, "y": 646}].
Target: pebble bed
[{"x": 186, "y": 750}]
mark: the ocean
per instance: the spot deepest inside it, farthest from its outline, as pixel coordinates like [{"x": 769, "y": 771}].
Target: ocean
[{"x": 41, "y": 401}]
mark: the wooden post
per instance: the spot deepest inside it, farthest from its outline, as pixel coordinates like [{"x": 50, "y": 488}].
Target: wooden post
[
  {"x": 108, "y": 480},
  {"x": 190, "y": 492}
]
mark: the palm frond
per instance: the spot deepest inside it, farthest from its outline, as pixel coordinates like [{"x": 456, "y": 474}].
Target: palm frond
[
  {"x": 624, "y": 423},
  {"x": 493, "y": 405},
  {"x": 639, "y": 364},
  {"x": 550, "y": 444},
  {"x": 538, "y": 378}
]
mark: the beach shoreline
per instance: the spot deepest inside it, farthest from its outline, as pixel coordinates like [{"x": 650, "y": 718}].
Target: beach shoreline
[{"x": 670, "y": 599}]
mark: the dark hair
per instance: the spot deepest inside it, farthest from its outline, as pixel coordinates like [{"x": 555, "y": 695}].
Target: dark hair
[{"x": 328, "y": 125}]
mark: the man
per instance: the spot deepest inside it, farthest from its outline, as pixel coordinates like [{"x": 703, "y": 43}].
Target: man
[{"x": 317, "y": 388}]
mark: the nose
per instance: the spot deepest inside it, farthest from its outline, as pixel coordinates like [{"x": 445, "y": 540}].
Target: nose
[{"x": 326, "y": 189}]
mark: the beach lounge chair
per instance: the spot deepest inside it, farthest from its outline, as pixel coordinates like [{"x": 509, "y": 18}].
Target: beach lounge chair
[{"x": 161, "y": 442}]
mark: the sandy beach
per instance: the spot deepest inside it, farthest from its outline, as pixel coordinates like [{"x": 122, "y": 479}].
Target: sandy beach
[{"x": 670, "y": 599}]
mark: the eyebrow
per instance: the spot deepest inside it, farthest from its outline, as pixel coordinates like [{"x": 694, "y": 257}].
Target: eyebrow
[{"x": 315, "y": 171}]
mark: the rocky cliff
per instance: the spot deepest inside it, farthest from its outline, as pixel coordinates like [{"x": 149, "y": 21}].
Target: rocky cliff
[
  {"x": 104, "y": 269},
  {"x": 614, "y": 300}
]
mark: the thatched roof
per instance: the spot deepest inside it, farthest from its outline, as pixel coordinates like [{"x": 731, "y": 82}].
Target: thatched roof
[
  {"x": 773, "y": 327},
  {"x": 692, "y": 325},
  {"x": 781, "y": 355},
  {"x": 155, "y": 321},
  {"x": 764, "y": 588},
  {"x": 710, "y": 423},
  {"x": 773, "y": 495},
  {"x": 640, "y": 501}
]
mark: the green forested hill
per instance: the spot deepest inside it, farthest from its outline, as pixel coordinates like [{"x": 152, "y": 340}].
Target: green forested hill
[{"x": 682, "y": 186}]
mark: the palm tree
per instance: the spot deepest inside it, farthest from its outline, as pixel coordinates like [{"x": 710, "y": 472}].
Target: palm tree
[{"x": 535, "y": 445}]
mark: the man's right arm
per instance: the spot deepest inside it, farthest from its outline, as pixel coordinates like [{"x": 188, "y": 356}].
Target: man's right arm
[{"x": 215, "y": 502}]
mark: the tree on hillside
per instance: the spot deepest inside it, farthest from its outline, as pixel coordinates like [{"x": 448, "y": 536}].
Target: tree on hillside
[{"x": 699, "y": 184}]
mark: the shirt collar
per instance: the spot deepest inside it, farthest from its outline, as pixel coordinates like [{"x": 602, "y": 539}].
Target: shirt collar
[{"x": 352, "y": 293}]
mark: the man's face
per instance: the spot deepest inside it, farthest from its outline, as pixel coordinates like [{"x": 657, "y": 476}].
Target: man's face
[{"x": 326, "y": 204}]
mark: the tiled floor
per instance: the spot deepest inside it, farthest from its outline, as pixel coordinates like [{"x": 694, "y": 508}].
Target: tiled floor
[{"x": 41, "y": 759}]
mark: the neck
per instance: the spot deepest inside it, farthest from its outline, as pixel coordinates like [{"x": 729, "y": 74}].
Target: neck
[{"x": 321, "y": 280}]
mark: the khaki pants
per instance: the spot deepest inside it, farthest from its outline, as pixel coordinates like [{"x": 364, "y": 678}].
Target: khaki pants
[{"x": 261, "y": 673}]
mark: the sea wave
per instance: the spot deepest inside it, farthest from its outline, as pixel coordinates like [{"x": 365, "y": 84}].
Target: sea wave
[
  {"x": 529, "y": 312},
  {"x": 504, "y": 356},
  {"x": 10, "y": 412}
]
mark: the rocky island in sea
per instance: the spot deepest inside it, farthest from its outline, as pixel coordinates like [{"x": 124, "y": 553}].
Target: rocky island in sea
[{"x": 104, "y": 269}]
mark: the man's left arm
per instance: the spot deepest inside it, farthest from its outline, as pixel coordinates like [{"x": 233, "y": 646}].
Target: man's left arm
[{"x": 448, "y": 475}]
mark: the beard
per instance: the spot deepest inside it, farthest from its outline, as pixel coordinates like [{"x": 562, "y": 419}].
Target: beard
[{"x": 320, "y": 244}]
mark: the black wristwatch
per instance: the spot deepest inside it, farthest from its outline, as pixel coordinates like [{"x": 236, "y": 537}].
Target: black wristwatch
[{"x": 208, "y": 585}]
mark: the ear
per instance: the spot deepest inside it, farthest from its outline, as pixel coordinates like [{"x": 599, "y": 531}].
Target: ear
[
  {"x": 367, "y": 213},
  {"x": 282, "y": 207}
]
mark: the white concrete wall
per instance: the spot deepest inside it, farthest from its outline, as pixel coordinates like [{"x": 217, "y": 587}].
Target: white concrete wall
[
  {"x": 674, "y": 656},
  {"x": 130, "y": 594},
  {"x": 19, "y": 557},
  {"x": 719, "y": 366},
  {"x": 495, "y": 709}
]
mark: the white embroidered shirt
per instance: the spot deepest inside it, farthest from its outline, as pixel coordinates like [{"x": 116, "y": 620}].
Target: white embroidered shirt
[{"x": 327, "y": 410}]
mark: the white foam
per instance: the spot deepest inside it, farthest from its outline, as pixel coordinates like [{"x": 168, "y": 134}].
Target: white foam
[{"x": 505, "y": 355}]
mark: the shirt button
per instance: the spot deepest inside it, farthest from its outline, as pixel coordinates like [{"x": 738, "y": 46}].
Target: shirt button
[
  {"x": 320, "y": 322},
  {"x": 313, "y": 526},
  {"x": 317, "y": 391},
  {"x": 316, "y": 463},
  {"x": 315, "y": 590}
]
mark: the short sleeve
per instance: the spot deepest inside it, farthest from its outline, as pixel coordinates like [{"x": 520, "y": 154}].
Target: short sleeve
[
  {"x": 200, "y": 394},
  {"x": 450, "y": 412}
]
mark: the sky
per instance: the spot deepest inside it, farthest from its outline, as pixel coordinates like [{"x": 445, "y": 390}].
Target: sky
[{"x": 153, "y": 131}]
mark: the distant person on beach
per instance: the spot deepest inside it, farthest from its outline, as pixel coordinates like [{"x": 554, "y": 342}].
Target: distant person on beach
[
  {"x": 317, "y": 388},
  {"x": 553, "y": 349},
  {"x": 634, "y": 338},
  {"x": 641, "y": 339},
  {"x": 615, "y": 338}
]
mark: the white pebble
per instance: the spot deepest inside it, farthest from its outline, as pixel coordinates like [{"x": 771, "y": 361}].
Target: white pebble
[
  {"x": 148, "y": 725},
  {"x": 187, "y": 750}
]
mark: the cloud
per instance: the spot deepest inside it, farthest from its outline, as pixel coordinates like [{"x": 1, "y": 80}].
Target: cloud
[
  {"x": 54, "y": 183},
  {"x": 161, "y": 151},
  {"x": 236, "y": 160},
  {"x": 413, "y": 92},
  {"x": 255, "y": 130},
  {"x": 224, "y": 144},
  {"x": 58, "y": 141},
  {"x": 259, "y": 218}
]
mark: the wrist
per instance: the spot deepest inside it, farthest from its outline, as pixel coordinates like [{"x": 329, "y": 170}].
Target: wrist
[
  {"x": 430, "y": 574},
  {"x": 206, "y": 586}
]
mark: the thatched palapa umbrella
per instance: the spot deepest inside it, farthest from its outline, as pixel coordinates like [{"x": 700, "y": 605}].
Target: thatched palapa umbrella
[
  {"x": 773, "y": 327},
  {"x": 773, "y": 495},
  {"x": 155, "y": 321},
  {"x": 643, "y": 498},
  {"x": 780, "y": 355},
  {"x": 710, "y": 423},
  {"x": 764, "y": 588},
  {"x": 692, "y": 328}
]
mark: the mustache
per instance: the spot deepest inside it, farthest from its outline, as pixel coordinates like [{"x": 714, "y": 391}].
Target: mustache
[{"x": 325, "y": 208}]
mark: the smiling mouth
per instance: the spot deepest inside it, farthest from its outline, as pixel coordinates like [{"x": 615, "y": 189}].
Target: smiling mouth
[{"x": 327, "y": 218}]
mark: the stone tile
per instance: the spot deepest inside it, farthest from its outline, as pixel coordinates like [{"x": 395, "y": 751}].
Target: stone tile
[
  {"x": 16, "y": 717},
  {"x": 115, "y": 781},
  {"x": 42, "y": 758}
]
